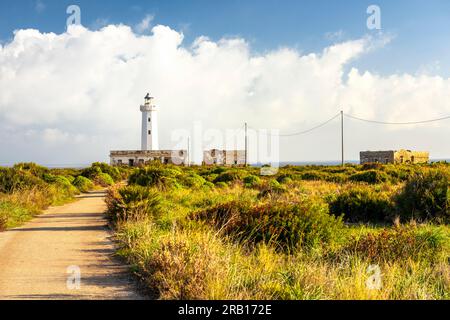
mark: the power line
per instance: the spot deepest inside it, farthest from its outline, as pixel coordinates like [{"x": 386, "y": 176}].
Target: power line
[
  {"x": 305, "y": 131},
  {"x": 396, "y": 123}
]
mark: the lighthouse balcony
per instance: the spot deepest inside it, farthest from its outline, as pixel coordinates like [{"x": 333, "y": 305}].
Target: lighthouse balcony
[{"x": 148, "y": 108}]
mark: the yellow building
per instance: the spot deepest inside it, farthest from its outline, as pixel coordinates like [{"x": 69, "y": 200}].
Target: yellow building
[{"x": 394, "y": 156}]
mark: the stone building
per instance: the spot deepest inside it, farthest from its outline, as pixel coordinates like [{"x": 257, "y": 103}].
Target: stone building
[
  {"x": 149, "y": 143},
  {"x": 141, "y": 157},
  {"x": 224, "y": 157},
  {"x": 394, "y": 156}
]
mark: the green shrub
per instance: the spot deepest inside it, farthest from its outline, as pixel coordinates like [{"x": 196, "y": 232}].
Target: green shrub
[
  {"x": 92, "y": 172},
  {"x": 3, "y": 219},
  {"x": 31, "y": 168},
  {"x": 69, "y": 178},
  {"x": 61, "y": 180},
  {"x": 113, "y": 172},
  {"x": 211, "y": 177},
  {"x": 208, "y": 185},
  {"x": 83, "y": 184},
  {"x": 251, "y": 181},
  {"x": 13, "y": 179},
  {"x": 361, "y": 204},
  {"x": 230, "y": 176},
  {"x": 372, "y": 166},
  {"x": 314, "y": 175},
  {"x": 370, "y": 176},
  {"x": 161, "y": 177},
  {"x": 285, "y": 178},
  {"x": 104, "y": 180},
  {"x": 305, "y": 223},
  {"x": 272, "y": 188},
  {"x": 132, "y": 203},
  {"x": 221, "y": 185},
  {"x": 193, "y": 181},
  {"x": 426, "y": 196}
]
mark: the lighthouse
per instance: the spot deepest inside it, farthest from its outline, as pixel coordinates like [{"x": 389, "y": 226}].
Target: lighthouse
[{"x": 149, "y": 125}]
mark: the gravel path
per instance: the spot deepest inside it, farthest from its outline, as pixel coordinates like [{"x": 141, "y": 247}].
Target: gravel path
[{"x": 42, "y": 259}]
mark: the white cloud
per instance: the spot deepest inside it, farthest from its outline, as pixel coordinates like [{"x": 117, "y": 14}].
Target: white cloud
[
  {"x": 145, "y": 24},
  {"x": 72, "y": 97}
]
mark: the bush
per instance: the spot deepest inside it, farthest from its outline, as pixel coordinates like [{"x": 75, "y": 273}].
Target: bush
[
  {"x": 13, "y": 179},
  {"x": 400, "y": 243},
  {"x": 3, "y": 219},
  {"x": 104, "y": 180},
  {"x": 83, "y": 184},
  {"x": 193, "y": 181},
  {"x": 31, "y": 168},
  {"x": 113, "y": 172},
  {"x": 161, "y": 177},
  {"x": 230, "y": 176},
  {"x": 251, "y": 181},
  {"x": 92, "y": 172},
  {"x": 285, "y": 178},
  {"x": 273, "y": 188},
  {"x": 305, "y": 223},
  {"x": 361, "y": 204},
  {"x": 372, "y": 166},
  {"x": 426, "y": 196},
  {"x": 221, "y": 185},
  {"x": 132, "y": 203},
  {"x": 370, "y": 176},
  {"x": 314, "y": 175}
]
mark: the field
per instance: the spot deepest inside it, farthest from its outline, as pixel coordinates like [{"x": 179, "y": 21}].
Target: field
[
  {"x": 309, "y": 232},
  {"x": 353, "y": 232}
]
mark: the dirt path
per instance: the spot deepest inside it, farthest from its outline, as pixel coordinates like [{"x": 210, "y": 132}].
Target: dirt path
[{"x": 41, "y": 260}]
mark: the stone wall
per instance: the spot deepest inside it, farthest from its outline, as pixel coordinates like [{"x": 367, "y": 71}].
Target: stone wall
[
  {"x": 138, "y": 157},
  {"x": 397, "y": 157},
  {"x": 408, "y": 156},
  {"x": 377, "y": 157},
  {"x": 224, "y": 157}
]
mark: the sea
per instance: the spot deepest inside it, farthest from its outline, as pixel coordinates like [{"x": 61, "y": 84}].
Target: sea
[{"x": 282, "y": 164}]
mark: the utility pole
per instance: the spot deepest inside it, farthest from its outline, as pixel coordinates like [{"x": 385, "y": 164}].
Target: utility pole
[
  {"x": 246, "y": 145},
  {"x": 189, "y": 151},
  {"x": 342, "y": 136}
]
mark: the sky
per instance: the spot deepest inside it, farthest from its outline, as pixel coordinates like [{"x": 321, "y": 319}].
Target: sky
[{"x": 68, "y": 95}]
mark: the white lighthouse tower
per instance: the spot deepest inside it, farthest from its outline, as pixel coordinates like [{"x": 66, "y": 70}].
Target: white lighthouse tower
[{"x": 149, "y": 125}]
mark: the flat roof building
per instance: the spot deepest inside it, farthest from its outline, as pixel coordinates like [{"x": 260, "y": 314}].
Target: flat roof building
[
  {"x": 394, "y": 157},
  {"x": 224, "y": 157}
]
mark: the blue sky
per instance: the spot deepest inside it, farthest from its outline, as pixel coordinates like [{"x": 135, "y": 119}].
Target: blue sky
[
  {"x": 285, "y": 65},
  {"x": 421, "y": 29}
]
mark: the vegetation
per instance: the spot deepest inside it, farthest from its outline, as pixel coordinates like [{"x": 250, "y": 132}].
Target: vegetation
[
  {"x": 308, "y": 232},
  {"x": 27, "y": 188}
]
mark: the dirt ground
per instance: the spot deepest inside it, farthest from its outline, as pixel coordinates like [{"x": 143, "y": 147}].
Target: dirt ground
[{"x": 66, "y": 253}]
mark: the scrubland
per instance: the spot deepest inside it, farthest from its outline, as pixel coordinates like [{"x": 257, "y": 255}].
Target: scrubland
[
  {"x": 309, "y": 232},
  {"x": 27, "y": 188}
]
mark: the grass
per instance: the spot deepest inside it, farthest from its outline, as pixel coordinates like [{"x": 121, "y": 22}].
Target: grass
[{"x": 204, "y": 243}]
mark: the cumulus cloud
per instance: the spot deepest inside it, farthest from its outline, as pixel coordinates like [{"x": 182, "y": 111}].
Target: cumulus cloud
[
  {"x": 72, "y": 97},
  {"x": 145, "y": 24}
]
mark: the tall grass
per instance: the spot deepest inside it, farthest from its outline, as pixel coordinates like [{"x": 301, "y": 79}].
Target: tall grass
[{"x": 221, "y": 233}]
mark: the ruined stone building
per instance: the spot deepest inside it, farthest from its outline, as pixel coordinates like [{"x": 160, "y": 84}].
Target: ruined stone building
[
  {"x": 395, "y": 157},
  {"x": 224, "y": 157},
  {"x": 149, "y": 143}
]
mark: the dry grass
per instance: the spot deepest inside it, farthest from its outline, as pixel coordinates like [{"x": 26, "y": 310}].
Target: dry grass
[{"x": 181, "y": 258}]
